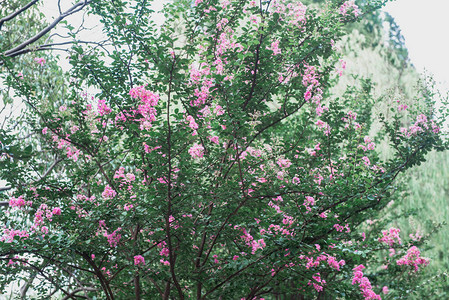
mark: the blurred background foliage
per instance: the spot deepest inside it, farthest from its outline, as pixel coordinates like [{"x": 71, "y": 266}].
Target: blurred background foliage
[{"x": 375, "y": 49}]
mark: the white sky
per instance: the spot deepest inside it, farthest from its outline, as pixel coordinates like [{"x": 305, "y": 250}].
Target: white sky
[{"x": 425, "y": 27}]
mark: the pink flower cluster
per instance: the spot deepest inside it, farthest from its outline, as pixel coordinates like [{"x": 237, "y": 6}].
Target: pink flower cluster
[
  {"x": 73, "y": 153},
  {"x": 103, "y": 108},
  {"x": 275, "y": 48},
  {"x": 196, "y": 151},
  {"x": 318, "y": 284},
  {"x": 192, "y": 124},
  {"x": 391, "y": 236},
  {"x": 164, "y": 252},
  {"x": 347, "y": 7},
  {"x": 314, "y": 93},
  {"x": 364, "y": 284},
  {"x": 341, "y": 67},
  {"x": 108, "y": 192},
  {"x": 139, "y": 260},
  {"x": 284, "y": 163},
  {"x": 40, "y": 60},
  {"x": 250, "y": 241},
  {"x": 43, "y": 214},
  {"x": 412, "y": 258},
  {"x": 333, "y": 263},
  {"x": 369, "y": 144},
  {"x": 308, "y": 202},
  {"x": 421, "y": 125},
  {"x": 19, "y": 202},
  {"x": 294, "y": 12},
  {"x": 350, "y": 117},
  {"x": 149, "y": 100},
  {"x": 113, "y": 238},
  {"x": 9, "y": 234}
]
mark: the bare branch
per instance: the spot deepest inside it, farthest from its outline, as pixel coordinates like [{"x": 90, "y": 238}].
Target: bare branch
[
  {"x": 5, "y": 188},
  {"x": 51, "y": 47},
  {"x": 59, "y": 7},
  {"x": 75, "y": 8},
  {"x": 83, "y": 289}
]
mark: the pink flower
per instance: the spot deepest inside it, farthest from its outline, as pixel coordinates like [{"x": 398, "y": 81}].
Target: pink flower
[
  {"x": 74, "y": 129},
  {"x": 196, "y": 151},
  {"x": 402, "y": 107},
  {"x": 275, "y": 48},
  {"x": 103, "y": 108},
  {"x": 390, "y": 236},
  {"x": 108, "y": 193},
  {"x": 114, "y": 237},
  {"x": 412, "y": 258},
  {"x": 214, "y": 139},
  {"x": 56, "y": 211},
  {"x": 284, "y": 163},
  {"x": 40, "y": 60},
  {"x": 138, "y": 260},
  {"x": 347, "y": 7},
  {"x": 364, "y": 283},
  {"x": 130, "y": 177},
  {"x": 307, "y": 95},
  {"x": 192, "y": 123},
  {"x": 17, "y": 202},
  {"x": 366, "y": 161},
  {"x": 145, "y": 96},
  {"x": 309, "y": 201}
]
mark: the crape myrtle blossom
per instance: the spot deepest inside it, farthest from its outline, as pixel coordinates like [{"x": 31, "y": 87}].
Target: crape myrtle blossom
[
  {"x": 349, "y": 7},
  {"x": 364, "y": 284},
  {"x": 146, "y": 107},
  {"x": 390, "y": 237},
  {"x": 196, "y": 151},
  {"x": 40, "y": 60},
  {"x": 421, "y": 125},
  {"x": 413, "y": 259},
  {"x": 108, "y": 192},
  {"x": 139, "y": 260}
]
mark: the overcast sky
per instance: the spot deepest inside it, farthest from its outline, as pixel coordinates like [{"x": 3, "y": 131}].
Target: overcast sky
[{"x": 425, "y": 26}]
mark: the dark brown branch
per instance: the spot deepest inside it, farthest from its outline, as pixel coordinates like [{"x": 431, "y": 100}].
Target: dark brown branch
[
  {"x": 172, "y": 254},
  {"x": 83, "y": 289}
]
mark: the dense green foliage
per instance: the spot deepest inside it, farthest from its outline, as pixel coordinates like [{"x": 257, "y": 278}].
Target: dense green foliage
[{"x": 216, "y": 156}]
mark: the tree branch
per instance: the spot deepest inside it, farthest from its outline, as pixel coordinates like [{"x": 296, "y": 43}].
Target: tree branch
[
  {"x": 16, "y": 13},
  {"x": 75, "y": 8},
  {"x": 42, "y": 177}
]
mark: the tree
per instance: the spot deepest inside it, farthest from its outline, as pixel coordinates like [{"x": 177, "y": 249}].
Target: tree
[{"x": 213, "y": 161}]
